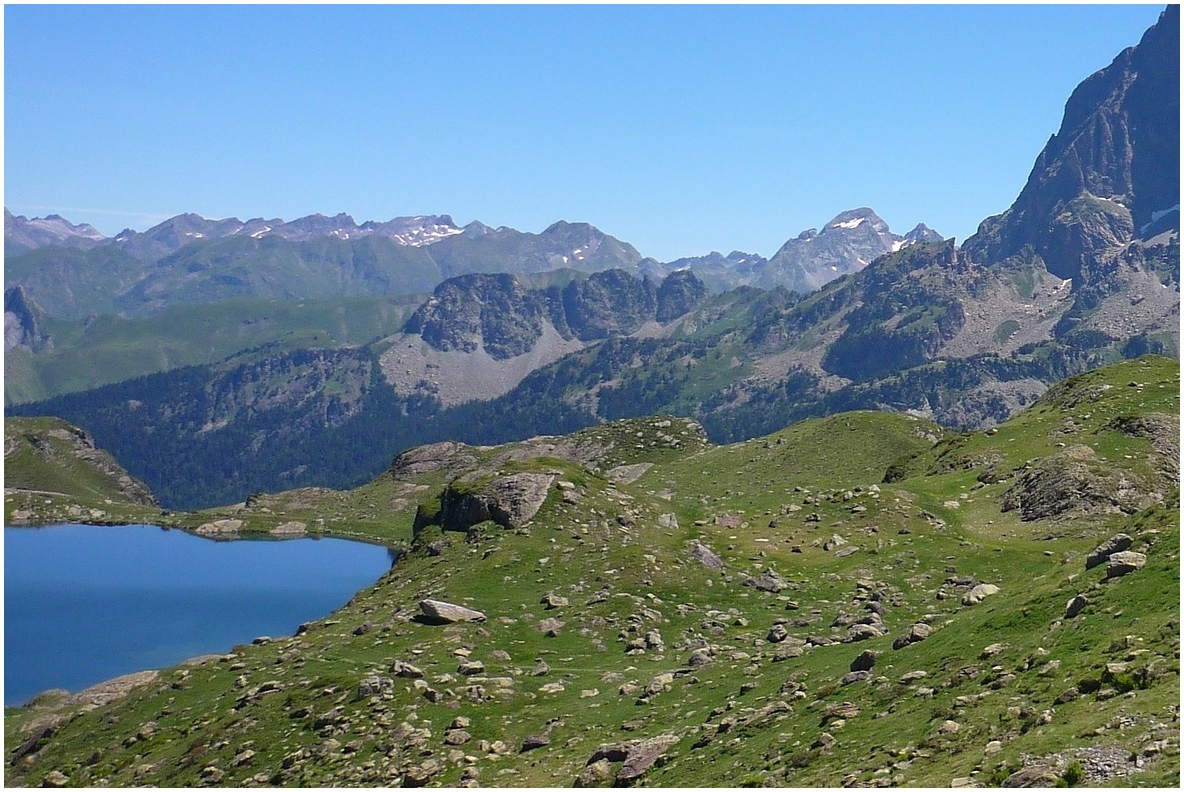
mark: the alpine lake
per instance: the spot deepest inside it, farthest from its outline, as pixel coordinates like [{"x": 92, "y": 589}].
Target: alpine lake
[{"x": 84, "y": 604}]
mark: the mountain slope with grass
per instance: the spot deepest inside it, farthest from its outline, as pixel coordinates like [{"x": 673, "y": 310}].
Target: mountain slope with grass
[{"x": 865, "y": 599}]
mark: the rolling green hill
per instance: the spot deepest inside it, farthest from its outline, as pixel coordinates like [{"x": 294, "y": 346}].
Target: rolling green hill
[
  {"x": 110, "y": 348},
  {"x": 865, "y": 599}
]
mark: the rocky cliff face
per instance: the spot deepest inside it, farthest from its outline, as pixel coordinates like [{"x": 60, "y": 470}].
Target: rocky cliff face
[
  {"x": 500, "y": 315},
  {"x": 1111, "y": 173},
  {"x": 22, "y": 321}
]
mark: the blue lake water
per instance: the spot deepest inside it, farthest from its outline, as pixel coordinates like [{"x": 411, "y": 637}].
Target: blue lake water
[{"x": 85, "y": 603}]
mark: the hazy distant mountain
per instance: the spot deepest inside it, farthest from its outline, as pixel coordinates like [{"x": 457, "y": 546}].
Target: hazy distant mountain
[
  {"x": 189, "y": 259},
  {"x": 846, "y": 244},
  {"x": 73, "y": 272},
  {"x": 22, "y": 234}
]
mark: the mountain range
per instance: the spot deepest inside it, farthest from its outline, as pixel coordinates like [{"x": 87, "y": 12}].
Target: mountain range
[
  {"x": 72, "y": 271},
  {"x": 527, "y": 334}
]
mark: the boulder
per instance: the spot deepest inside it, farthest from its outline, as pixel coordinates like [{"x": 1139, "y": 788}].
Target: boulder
[
  {"x": 1075, "y": 606},
  {"x": 448, "y": 613},
  {"x": 534, "y": 741},
  {"x": 979, "y": 593},
  {"x": 510, "y": 501},
  {"x": 1100, "y": 554},
  {"x": 768, "y": 581},
  {"x": 705, "y": 557},
  {"x": 292, "y": 528},
  {"x": 1033, "y": 776},
  {"x": 220, "y": 528},
  {"x": 865, "y": 660},
  {"x": 643, "y": 756},
  {"x": 551, "y": 601},
  {"x": 1124, "y": 563}
]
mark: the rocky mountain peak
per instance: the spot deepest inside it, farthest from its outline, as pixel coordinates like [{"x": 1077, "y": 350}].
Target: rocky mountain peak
[
  {"x": 22, "y": 234},
  {"x": 855, "y": 218},
  {"x": 1111, "y": 169}
]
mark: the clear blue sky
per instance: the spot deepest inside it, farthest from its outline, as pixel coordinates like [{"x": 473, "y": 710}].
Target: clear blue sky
[{"x": 680, "y": 129}]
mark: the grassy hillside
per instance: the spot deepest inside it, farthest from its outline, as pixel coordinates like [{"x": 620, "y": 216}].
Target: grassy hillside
[
  {"x": 109, "y": 348},
  {"x": 803, "y": 609},
  {"x": 53, "y": 472}
]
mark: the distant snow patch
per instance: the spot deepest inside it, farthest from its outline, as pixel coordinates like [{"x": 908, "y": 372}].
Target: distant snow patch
[{"x": 850, "y": 223}]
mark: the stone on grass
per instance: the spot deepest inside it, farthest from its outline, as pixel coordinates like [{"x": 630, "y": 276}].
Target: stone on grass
[
  {"x": 1100, "y": 554},
  {"x": 705, "y": 557},
  {"x": 768, "y": 581},
  {"x": 644, "y": 755},
  {"x": 1124, "y": 563},
  {"x": 449, "y": 613},
  {"x": 979, "y": 593}
]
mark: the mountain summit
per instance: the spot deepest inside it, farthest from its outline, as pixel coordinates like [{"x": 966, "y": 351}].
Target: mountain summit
[{"x": 1111, "y": 174}]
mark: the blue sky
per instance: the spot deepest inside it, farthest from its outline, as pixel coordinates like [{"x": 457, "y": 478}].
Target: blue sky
[{"x": 679, "y": 129}]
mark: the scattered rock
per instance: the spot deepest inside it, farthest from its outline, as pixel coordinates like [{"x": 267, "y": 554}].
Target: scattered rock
[
  {"x": 549, "y": 627},
  {"x": 535, "y": 741},
  {"x": 406, "y": 670},
  {"x": 55, "y": 778},
  {"x": 471, "y": 668},
  {"x": 833, "y": 543},
  {"x": 853, "y": 677},
  {"x": 1075, "y": 606}
]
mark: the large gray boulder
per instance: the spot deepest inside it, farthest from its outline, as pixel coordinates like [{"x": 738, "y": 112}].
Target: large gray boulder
[
  {"x": 979, "y": 593},
  {"x": 705, "y": 556},
  {"x": 448, "y": 613},
  {"x": 1124, "y": 563},
  {"x": 1102, "y": 553},
  {"x": 510, "y": 501}
]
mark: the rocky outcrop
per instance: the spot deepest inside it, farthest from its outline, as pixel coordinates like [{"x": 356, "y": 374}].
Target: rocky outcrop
[
  {"x": 501, "y": 315},
  {"x": 22, "y": 321},
  {"x": 432, "y": 458},
  {"x": 1073, "y": 481},
  {"x": 510, "y": 501}
]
